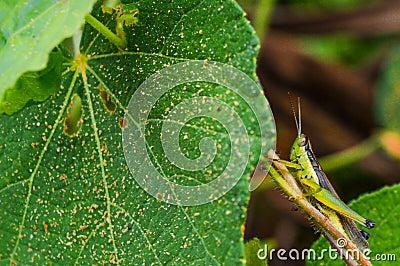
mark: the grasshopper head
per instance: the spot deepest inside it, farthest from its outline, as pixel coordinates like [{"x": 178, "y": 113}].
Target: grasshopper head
[
  {"x": 298, "y": 146},
  {"x": 301, "y": 142}
]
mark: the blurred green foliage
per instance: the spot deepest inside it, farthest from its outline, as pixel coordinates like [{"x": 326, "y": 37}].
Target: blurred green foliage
[
  {"x": 343, "y": 49},
  {"x": 388, "y": 93},
  {"x": 323, "y": 4}
]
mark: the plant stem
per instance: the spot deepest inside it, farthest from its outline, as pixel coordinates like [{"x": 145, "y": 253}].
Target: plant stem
[
  {"x": 350, "y": 156},
  {"x": 121, "y": 44},
  {"x": 288, "y": 183}
]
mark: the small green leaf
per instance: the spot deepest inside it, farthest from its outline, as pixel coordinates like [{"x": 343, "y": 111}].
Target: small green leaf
[
  {"x": 252, "y": 250},
  {"x": 126, "y": 15},
  {"x": 30, "y": 30},
  {"x": 33, "y": 86},
  {"x": 382, "y": 207},
  {"x": 388, "y": 103}
]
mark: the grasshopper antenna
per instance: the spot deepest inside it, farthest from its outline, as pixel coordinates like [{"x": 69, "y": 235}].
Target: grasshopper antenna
[{"x": 298, "y": 122}]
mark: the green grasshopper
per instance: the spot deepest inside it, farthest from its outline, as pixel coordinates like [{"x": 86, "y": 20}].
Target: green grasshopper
[{"x": 317, "y": 185}]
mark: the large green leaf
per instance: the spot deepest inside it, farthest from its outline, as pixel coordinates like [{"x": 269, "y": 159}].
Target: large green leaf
[
  {"x": 29, "y": 30},
  {"x": 66, "y": 193},
  {"x": 383, "y": 208}
]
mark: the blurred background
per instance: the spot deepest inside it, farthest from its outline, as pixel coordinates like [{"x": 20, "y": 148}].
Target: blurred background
[{"x": 342, "y": 57}]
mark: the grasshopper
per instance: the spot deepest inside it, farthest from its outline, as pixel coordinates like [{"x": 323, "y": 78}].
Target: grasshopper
[{"x": 316, "y": 184}]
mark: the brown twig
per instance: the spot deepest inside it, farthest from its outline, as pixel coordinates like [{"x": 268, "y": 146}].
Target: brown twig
[{"x": 289, "y": 185}]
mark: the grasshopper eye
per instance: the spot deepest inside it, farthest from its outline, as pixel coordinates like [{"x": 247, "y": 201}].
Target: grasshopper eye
[{"x": 303, "y": 140}]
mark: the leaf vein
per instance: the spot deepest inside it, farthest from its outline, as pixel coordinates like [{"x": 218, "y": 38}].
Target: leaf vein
[
  {"x": 105, "y": 87},
  {"x": 101, "y": 162},
  {"x": 141, "y": 231},
  {"x": 31, "y": 178},
  {"x": 176, "y": 25}
]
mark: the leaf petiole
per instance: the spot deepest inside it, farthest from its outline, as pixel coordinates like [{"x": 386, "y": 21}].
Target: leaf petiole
[{"x": 112, "y": 37}]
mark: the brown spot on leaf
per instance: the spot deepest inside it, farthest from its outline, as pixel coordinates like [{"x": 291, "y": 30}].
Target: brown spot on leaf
[
  {"x": 82, "y": 227},
  {"x": 63, "y": 177},
  {"x": 34, "y": 144},
  {"x": 46, "y": 227},
  {"x": 123, "y": 122},
  {"x": 107, "y": 100}
]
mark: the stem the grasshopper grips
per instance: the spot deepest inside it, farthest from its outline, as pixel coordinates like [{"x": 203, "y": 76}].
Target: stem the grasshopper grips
[
  {"x": 313, "y": 177},
  {"x": 317, "y": 185}
]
